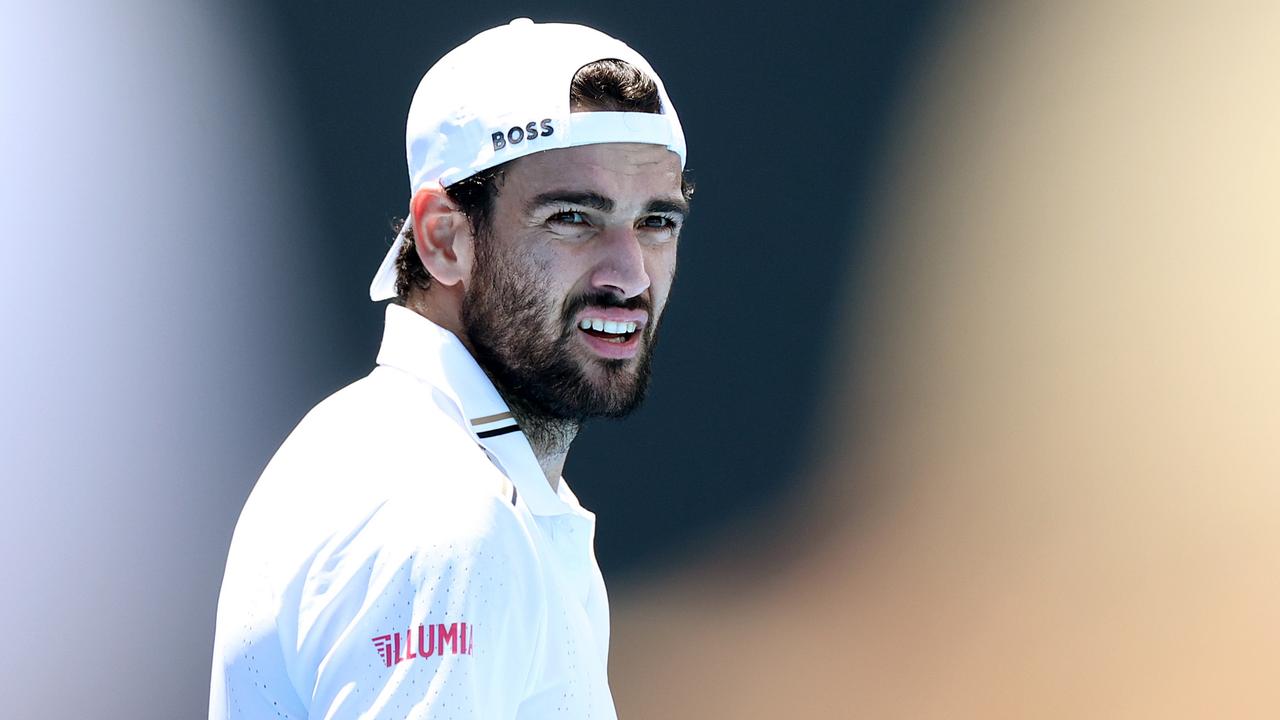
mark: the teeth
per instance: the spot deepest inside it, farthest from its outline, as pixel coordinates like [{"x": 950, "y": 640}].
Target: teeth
[{"x": 609, "y": 326}]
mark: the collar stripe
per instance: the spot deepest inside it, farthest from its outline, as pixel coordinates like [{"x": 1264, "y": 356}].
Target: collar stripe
[
  {"x": 499, "y": 431},
  {"x": 491, "y": 418}
]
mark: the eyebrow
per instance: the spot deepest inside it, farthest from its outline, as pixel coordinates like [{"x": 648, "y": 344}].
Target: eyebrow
[
  {"x": 596, "y": 201},
  {"x": 674, "y": 207}
]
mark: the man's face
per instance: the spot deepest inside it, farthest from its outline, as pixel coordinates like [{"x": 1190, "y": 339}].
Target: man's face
[{"x": 572, "y": 277}]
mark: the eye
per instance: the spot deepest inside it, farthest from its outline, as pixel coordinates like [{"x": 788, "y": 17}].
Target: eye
[
  {"x": 659, "y": 227},
  {"x": 659, "y": 222},
  {"x": 568, "y": 217}
]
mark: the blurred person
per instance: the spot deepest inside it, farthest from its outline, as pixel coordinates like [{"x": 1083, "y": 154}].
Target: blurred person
[
  {"x": 130, "y": 414},
  {"x": 1048, "y": 482},
  {"x": 412, "y": 550}
]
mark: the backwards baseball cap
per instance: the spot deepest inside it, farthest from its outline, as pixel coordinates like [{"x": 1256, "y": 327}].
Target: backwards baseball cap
[{"x": 504, "y": 94}]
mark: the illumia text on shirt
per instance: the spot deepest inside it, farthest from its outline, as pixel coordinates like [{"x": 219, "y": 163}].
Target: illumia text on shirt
[{"x": 432, "y": 637}]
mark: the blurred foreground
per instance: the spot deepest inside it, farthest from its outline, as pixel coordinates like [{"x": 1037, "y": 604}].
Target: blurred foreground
[{"x": 1049, "y": 481}]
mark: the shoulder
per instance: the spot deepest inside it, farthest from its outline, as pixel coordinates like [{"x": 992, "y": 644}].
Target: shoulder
[
  {"x": 381, "y": 468},
  {"x": 363, "y": 416},
  {"x": 384, "y": 434}
]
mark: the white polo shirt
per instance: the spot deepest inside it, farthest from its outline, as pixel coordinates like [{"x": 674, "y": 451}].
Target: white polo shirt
[{"x": 403, "y": 556}]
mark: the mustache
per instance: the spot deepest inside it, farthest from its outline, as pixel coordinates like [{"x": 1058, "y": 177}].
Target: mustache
[{"x": 601, "y": 298}]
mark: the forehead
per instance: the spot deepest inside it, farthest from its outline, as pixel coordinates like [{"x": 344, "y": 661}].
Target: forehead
[{"x": 617, "y": 170}]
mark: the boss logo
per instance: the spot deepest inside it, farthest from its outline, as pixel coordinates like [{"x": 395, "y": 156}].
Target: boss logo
[{"x": 517, "y": 134}]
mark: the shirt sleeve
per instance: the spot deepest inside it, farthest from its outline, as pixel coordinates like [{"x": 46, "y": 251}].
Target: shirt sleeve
[{"x": 423, "y": 610}]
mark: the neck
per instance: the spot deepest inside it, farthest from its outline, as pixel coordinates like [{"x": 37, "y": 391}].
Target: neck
[
  {"x": 550, "y": 440},
  {"x": 440, "y": 307}
]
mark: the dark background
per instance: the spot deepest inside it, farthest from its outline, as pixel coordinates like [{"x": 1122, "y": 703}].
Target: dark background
[{"x": 785, "y": 107}]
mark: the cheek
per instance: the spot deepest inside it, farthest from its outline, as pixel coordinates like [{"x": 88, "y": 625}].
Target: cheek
[
  {"x": 662, "y": 264},
  {"x": 562, "y": 269},
  {"x": 554, "y": 276},
  {"x": 662, "y": 272}
]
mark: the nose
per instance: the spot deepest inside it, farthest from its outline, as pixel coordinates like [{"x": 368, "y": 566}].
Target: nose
[{"x": 621, "y": 264}]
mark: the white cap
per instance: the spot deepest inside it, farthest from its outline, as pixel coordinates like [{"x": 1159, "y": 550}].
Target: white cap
[{"x": 504, "y": 94}]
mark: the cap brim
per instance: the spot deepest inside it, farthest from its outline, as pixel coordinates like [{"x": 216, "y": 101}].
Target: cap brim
[{"x": 383, "y": 286}]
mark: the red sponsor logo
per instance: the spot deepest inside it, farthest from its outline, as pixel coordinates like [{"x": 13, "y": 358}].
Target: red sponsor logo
[{"x": 431, "y": 639}]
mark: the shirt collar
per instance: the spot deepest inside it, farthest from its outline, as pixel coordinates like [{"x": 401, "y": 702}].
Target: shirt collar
[{"x": 415, "y": 345}]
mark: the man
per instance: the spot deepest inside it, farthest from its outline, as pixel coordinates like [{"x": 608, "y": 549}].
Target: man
[{"x": 412, "y": 551}]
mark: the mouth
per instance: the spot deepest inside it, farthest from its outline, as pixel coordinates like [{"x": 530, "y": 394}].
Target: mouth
[{"x": 612, "y": 338}]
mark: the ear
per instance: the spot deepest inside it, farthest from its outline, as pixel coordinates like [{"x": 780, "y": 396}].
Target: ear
[{"x": 441, "y": 235}]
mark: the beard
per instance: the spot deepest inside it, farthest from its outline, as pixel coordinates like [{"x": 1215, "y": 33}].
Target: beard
[{"x": 524, "y": 340}]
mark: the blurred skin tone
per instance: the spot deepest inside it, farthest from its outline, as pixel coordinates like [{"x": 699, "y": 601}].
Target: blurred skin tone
[
  {"x": 576, "y": 234},
  {"x": 1047, "y": 479}
]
